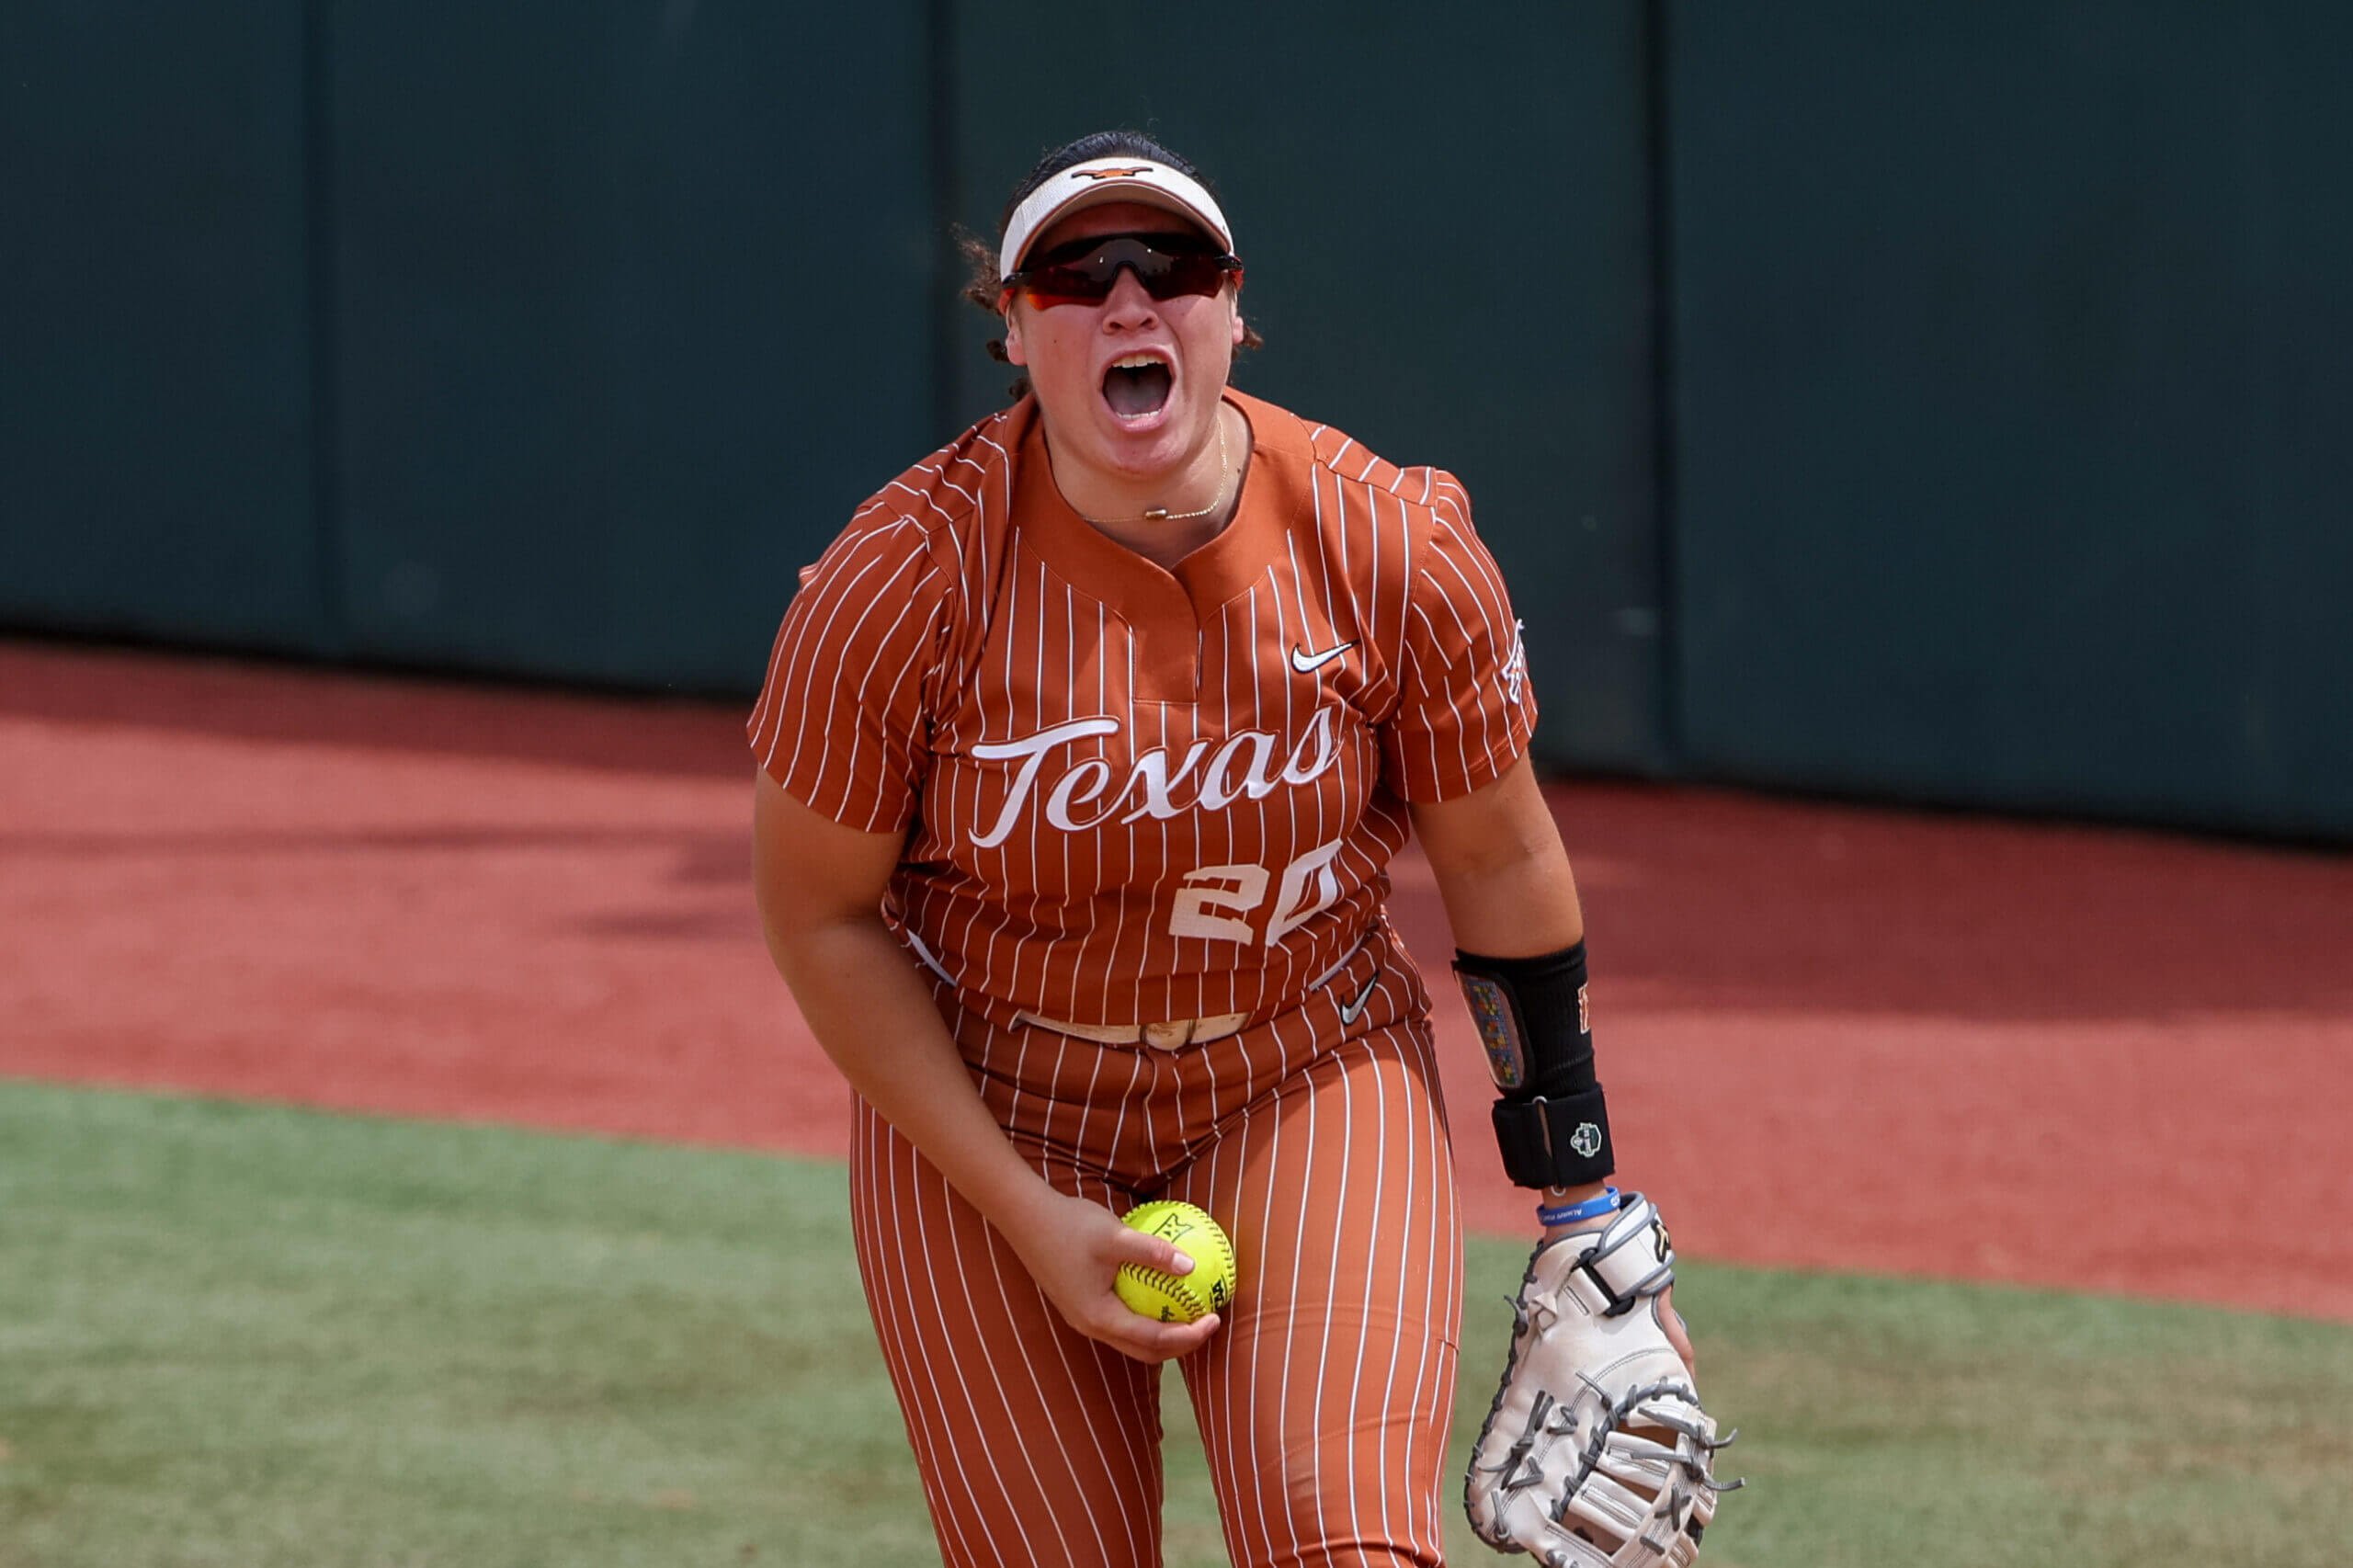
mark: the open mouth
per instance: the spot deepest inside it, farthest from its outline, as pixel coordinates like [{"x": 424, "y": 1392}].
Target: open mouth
[{"x": 1137, "y": 385}]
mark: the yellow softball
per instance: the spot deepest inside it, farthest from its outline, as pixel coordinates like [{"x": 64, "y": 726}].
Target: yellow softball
[{"x": 1179, "y": 1298}]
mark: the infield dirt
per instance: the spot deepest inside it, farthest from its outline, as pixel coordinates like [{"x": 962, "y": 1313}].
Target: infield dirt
[{"x": 1834, "y": 1038}]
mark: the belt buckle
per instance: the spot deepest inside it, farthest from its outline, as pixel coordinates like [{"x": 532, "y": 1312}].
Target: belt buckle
[{"x": 1171, "y": 1036}]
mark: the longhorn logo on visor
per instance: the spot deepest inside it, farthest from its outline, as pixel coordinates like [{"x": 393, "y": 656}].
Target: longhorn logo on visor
[{"x": 1112, "y": 174}]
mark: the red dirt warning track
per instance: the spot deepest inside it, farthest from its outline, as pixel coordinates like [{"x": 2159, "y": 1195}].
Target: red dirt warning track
[{"x": 1834, "y": 1038}]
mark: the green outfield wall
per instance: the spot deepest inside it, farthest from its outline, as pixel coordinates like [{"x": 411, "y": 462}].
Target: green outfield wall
[
  {"x": 1934, "y": 406},
  {"x": 629, "y": 304},
  {"x": 158, "y": 435},
  {"x": 2013, "y": 418}
]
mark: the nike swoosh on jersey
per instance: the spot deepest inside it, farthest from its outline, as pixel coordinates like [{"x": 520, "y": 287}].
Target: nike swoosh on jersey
[
  {"x": 1307, "y": 664},
  {"x": 1351, "y": 1011}
]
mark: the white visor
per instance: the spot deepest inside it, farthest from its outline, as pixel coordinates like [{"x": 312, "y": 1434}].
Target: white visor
[{"x": 1099, "y": 180}]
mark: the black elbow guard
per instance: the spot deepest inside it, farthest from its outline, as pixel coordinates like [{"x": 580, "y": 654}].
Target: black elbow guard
[{"x": 1532, "y": 1017}]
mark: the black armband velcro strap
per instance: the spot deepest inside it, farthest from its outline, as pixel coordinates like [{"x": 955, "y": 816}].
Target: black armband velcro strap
[
  {"x": 1555, "y": 1143},
  {"x": 1536, "y": 1029}
]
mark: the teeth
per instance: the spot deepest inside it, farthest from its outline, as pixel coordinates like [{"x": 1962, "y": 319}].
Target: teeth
[{"x": 1136, "y": 361}]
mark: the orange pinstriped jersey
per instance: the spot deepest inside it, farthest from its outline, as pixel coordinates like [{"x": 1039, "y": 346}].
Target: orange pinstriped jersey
[{"x": 1132, "y": 793}]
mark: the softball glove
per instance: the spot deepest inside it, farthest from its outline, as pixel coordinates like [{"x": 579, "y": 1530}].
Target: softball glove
[{"x": 1597, "y": 1453}]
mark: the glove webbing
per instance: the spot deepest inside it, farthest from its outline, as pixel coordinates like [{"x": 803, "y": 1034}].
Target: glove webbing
[{"x": 1614, "y": 1461}]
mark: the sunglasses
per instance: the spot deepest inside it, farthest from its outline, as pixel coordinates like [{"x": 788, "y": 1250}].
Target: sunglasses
[{"x": 1085, "y": 271}]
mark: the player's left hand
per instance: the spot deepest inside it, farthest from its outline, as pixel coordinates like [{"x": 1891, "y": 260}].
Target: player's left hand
[{"x": 1596, "y": 1452}]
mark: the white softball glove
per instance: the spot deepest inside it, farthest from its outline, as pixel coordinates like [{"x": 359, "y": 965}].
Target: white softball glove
[{"x": 1596, "y": 1453}]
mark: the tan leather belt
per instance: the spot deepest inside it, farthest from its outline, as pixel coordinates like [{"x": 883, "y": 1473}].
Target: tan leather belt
[
  {"x": 1174, "y": 1035},
  {"x": 1178, "y": 1033}
]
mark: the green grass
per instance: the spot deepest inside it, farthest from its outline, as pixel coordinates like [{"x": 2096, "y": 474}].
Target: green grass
[{"x": 254, "y": 1337}]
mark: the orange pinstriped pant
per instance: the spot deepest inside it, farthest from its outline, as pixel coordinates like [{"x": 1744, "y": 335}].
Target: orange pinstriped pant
[{"x": 1318, "y": 1142}]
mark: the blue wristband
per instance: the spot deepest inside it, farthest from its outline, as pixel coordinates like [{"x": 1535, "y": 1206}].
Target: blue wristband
[{"x": 1591, "y": 1209}]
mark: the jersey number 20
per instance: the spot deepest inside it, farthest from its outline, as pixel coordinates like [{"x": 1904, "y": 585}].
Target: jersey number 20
[{"x": 1215, "y": 901}]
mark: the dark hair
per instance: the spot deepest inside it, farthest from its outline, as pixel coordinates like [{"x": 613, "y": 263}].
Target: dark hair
[{"x": 983, "y": 286}]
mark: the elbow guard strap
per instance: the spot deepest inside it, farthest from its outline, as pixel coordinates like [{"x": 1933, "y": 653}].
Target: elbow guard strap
[{"x": 1550, "y": 1121}]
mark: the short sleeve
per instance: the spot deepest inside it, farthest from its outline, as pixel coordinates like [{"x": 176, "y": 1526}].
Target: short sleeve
[
  {"x": 841, "y": 722},
  {"x": 1465, "y": 709}
]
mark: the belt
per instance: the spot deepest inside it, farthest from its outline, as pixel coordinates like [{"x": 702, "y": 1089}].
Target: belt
[
  {"x": 1173, "y": 1035},
  {"x": 1177, "y": 1033}
]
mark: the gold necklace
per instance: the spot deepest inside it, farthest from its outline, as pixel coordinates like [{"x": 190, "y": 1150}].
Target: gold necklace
[{"x": 1224, "y": 473}]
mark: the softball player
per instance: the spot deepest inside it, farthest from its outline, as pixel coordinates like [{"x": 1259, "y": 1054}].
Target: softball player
[{"x": 1084, "y": 751}]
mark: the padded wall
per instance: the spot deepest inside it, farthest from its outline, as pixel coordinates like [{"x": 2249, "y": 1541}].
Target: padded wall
[
  {"x": 631, "y": 311},
  {"x": 2012, "y": 395},
  {"x": 155, "y": 464}
]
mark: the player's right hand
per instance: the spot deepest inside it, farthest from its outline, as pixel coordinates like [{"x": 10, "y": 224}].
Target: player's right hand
[{"x": 1072, "y": 1249}]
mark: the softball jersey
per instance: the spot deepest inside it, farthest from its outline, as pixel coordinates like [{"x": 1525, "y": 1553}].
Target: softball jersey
[
  {"x": 1157, "y": 799},
  {"x": 1130, "y": 793}
]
